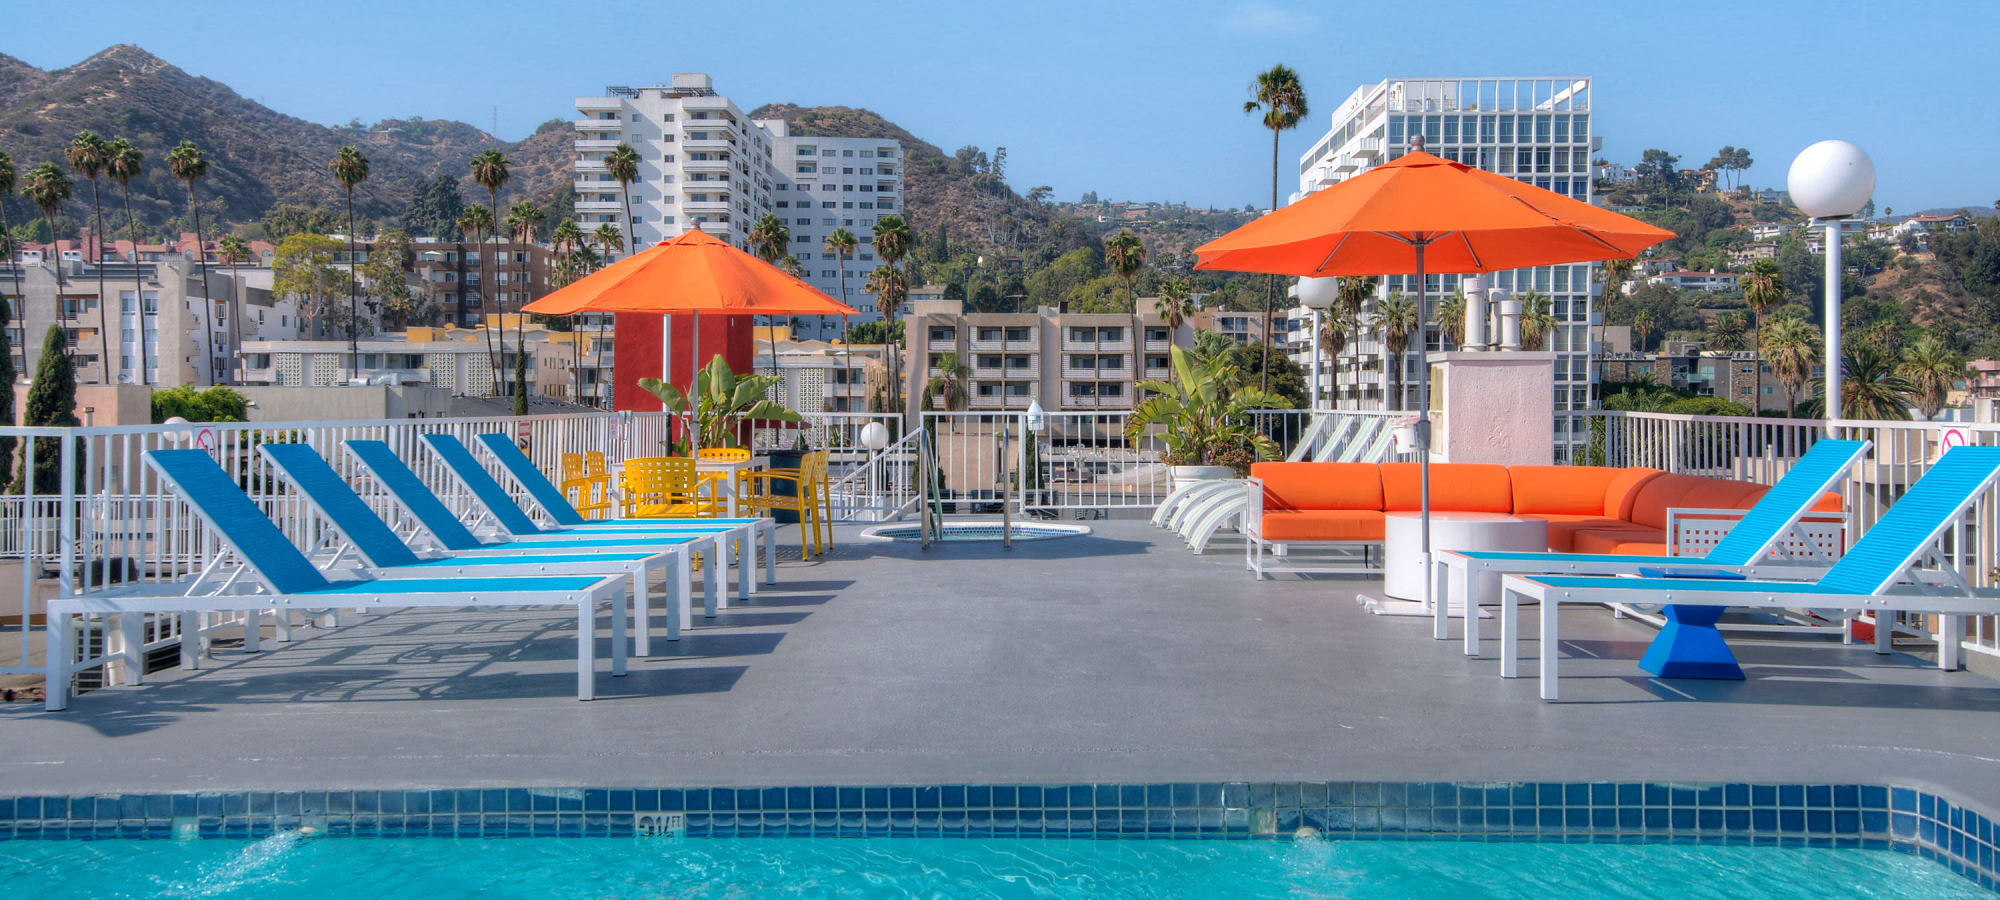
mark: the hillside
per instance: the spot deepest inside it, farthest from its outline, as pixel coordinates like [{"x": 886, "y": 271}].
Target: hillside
[{"x": 257, "y": 156}]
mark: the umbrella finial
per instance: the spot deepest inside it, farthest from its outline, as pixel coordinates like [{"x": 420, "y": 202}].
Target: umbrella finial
[{"x": 1416, "y": 143}]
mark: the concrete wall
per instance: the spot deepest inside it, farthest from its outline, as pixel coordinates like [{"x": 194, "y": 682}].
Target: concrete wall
[
  {"x": 323, "y": 404},
  {"x": 1494, "y": 407},
  {"x": 101, "y": 404}
]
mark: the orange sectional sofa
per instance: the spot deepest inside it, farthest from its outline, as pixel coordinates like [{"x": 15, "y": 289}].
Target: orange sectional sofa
[{"x": 1590, "y": 509}]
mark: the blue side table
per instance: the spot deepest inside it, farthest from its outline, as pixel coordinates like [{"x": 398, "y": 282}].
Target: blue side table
[{"x": 1690, "y": 646}]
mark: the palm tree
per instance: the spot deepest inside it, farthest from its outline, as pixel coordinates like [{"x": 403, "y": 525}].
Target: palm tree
[
  {"x": 88, "y": 155},
  {"x": 6, "y": 241},
  {"x": 477, "y": 221},
  {"x": 1643, "y": 326},
  {"x": 123, "y": 162},
  {"x": 771, "y": 239},
  {"x": 1354, "y": 292},
  {"x": 234, "y": 251},
  {"x": 1728, "y": 332},
  {"x": 1792, "y": 346},
  {"x": 622, "y": 164},
  {"x": 1763, "y": 289},
  {"x": 840, "y": 245},
  {"x": 1280, "y": 96},
  {"x": 1396, "y": 317},
  {"x": 1451, "y": 318},
  {"x": 1337, "y": 327},
  {"x": 188, "y": 163},
  {"x": 949, "y": 383},
  {"x": 608, "y": 240},
  {"x": 351, "y": 168},
  {"x": 1126, "y": 255},
  {"x": 1931, "y": 369},
  {"x": 890, "y": 286},
  {"x": 893, "y": 240},
  {"x": 46, "y": 187},
  {"x": 523, "y": 218},
  {"x": 1537, "y": 322},
  {"x": 566, "y": 238},
  {"x": 1173, "y": 306},
  {"x": 1870, "y": 389}
]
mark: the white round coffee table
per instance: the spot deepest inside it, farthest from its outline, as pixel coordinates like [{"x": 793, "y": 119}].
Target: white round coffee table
[{"x": 1403, "y": 571}]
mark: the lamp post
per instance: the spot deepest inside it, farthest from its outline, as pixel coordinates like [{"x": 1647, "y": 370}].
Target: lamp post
[
  {"x": 1318, "y": 295},
  {"x": 1830, "y": 181}
]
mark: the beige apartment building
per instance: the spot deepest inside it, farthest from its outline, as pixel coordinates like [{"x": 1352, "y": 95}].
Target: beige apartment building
[{"x": 1069, "y": 362}]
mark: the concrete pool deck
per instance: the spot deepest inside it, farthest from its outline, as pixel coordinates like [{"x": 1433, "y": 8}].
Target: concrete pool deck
[{"x": 1113, "y": 657}]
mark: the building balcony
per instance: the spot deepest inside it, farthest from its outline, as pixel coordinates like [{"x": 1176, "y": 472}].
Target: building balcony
[
  {"x": 590, "y": 165},
  {"x": 712, "y": 204},
  {"x": 993, "y": 345},
  {"x": 1069, "y": 343},
  {"x": 598, "y": 125},
  {"x": 1159, "y": 346},
  {"x": 710, "y": 143},
  {"x": 593, "y": 187},
  {"x": 1075, "y": 401},
  {"x": 598, "y": 104},
  {"x": 607, "y": 206},
  {"x": 1029, "y": 345},
  {"x": 947, "y": 345},
  {"x": 992, "y": 402},
  {"x": 1115, "y": 374},
  {"x": 705, "y": 165},
  {"x": 590, "y": 145},
  {"x": 1115, "y": 346}
]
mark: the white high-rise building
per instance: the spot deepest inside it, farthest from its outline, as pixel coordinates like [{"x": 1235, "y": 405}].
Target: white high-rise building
[
  {"x": 703, "y": 164},
  {"x": 1537, "y": 130}
]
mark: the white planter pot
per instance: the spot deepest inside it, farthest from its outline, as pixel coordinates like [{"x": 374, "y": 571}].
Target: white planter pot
[{"x": 1189, "y": 474}]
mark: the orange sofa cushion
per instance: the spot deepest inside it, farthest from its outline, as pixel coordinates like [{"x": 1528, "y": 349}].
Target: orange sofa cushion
[
  {"x": 1458, "y": 487},
  {"x": 1308, "y": 486},
  {"x": 1323, "y": 525},
  {"x": 1623, "y": 490},
  {"x": 1624, "y": 539},
  {"x": 1563, "y": 528},
  {"x": 1561, "y": 490},
  {"x": 1656, "y": 495}
]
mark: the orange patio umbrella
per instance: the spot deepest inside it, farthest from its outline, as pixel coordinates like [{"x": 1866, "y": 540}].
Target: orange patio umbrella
[
  {"x": 1422, "y": 209},
  {"x": 693, "y": 273}
]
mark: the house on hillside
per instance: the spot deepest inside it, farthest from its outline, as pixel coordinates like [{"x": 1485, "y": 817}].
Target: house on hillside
[
  {"x": 1753, "y": 251},
  {"x": 1770, "y": 231},
  {"x": 1709, "y": 282}
]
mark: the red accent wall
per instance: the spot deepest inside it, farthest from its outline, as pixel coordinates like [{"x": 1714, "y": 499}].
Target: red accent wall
[{"x": 636, "y": 352}]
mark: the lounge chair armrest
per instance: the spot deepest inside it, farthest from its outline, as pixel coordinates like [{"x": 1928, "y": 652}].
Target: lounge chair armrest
[
  {"x": 1253, "y": 505},
  {"x": 1691, "y": 531}
]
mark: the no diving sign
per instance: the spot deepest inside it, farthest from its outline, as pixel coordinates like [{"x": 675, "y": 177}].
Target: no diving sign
[
  {"x": 1954, "y": 436},
  {"x": 205, "y": 439}
]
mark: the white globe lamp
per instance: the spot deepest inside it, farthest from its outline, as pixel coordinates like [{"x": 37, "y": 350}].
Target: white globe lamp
[
  {"x": 181, "y": 434},
  {"x": 874, "y": 436},
  {"x": 1831, "y": 181}
]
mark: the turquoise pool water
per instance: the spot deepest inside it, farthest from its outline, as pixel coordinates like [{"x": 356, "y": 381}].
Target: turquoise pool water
[{"x": 441, "y": 868}]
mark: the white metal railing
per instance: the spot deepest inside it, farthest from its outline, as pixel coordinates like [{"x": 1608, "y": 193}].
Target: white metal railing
[
  {"x": 879, "y": 486},
  {"x": 1763, "y": 449}
]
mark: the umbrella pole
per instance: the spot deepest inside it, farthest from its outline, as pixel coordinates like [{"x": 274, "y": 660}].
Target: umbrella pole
[
  {"x": 694, "y": 395},
  {"x": 1424, "y": 432}
]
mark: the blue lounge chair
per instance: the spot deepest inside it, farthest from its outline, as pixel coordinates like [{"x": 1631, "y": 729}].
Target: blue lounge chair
[
  {"x": 1473, "y": 576},
  {"x": 434, "y": 518},
  {"x": 510, "y": 518},
  {"x": 282, "y": 579},
  {"x": 385, "y": 555},
  {"x": 1875, "y": 575}
]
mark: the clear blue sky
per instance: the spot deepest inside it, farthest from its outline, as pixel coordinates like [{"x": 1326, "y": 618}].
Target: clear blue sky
[{"x": 1135, "y": 102}]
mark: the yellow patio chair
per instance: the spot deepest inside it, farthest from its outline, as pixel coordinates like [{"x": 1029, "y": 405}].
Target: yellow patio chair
[
  {"x": 717, "y": 482},
  {"x": 587, "y": 490},
  {"x": 809, "y": 490},
  {"x": 664, "y": 487}
]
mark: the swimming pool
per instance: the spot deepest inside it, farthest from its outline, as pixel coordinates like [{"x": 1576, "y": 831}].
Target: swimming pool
[
  {"x": 978, "y": 531},
  {"x": 438, "y": 868}
]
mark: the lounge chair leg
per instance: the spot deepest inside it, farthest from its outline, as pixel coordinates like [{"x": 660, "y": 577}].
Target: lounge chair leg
[
  {"x": 770, "y": 553},
  {"x": 131, "y": 627},
  {"x": 746, "y": 565},
  {"x": 1546, "y": 653},
  {"x": 711, "y": 559},
  {"x": 1885, "y": 631},
  {"x": 1471, "y": 625},
  {"x": 1510, "y": 633},
  {"x": 57, "y": 643},
  {"x": 1951, "y": 634},
  {"x": 586, "y": 649},
  {"x": 1440, "y": 599},
  {"x": 190, "y": 640},
  {"x": 683, "y": 589},
  {"x": 282, "y": 625},
  {"x": 642, "y": 613},
  {"x": 253, "y": 631},
  {"x": 620, "y": 605}
]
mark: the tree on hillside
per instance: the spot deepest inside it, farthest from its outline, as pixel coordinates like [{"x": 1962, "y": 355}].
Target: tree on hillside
[
  {"x": 88, "y": 155},
  {"x": 1659, "y": 171},
  {"x": 1281, "y": 97},
  {"x": 1931, "y": 369},
  {"x": 1763, "y": 290},
  {"x": 1790, "y": 345},
  {"x": 1643, "y": 327},
  {"x": 350, "y": 168},
  {"x": 51, "y": 404},
  {"x": 189, "y": 164},
  {"x": 1730, "y": 159},
  {"x": 435, "y": 206},
  {"x": 1126, "y": 255},
  {"x": 6, "y": 244},
  {"x": 123, "y": 162}
]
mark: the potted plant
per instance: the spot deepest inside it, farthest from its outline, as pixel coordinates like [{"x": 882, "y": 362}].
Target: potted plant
[
  {"x": 726, "y": 402},
  {"x": 1204, "y": 422}
]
